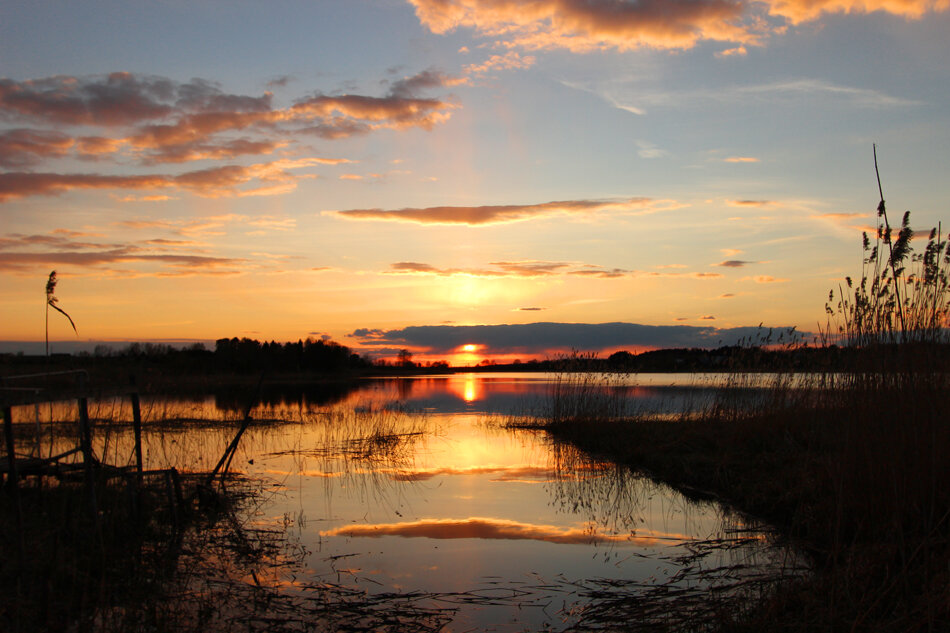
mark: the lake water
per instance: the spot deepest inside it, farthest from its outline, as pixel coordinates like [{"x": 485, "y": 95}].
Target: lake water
[{"x": 414, "y": 486}]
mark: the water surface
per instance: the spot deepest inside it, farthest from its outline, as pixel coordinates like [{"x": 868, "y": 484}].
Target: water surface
[{"x": 410, "y": 485}]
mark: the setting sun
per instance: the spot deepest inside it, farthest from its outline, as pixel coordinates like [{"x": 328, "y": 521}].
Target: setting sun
[{"x": 469, "y": 347}]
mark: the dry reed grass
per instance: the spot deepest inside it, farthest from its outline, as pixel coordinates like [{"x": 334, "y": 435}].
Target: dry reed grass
[{"x": 851, "y": 461}]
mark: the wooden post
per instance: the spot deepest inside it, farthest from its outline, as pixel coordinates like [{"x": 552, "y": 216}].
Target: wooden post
[
  {"x": 85, "y": 444},
  {"x": 137, "y": 426},
  {"x": 13, "y": 480}
]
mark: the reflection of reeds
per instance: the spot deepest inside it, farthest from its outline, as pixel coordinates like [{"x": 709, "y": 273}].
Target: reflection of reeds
[{"x": 709, "y": 568}]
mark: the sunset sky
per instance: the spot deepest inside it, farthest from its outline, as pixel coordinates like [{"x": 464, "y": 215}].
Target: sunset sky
[{"x": 597, "y": 174}]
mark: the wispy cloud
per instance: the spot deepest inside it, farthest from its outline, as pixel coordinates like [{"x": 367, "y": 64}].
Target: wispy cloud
[
  {"x": 512, "y": 60},
  {"x": 144, "y": 256},
  {"x": 527, "y": 268},
  {"x": 750, "y": 203},
  {"x": 105, "y": 257},
  {"x": 534, "y": 268},
  {"x": 740, "y": 159},
  {"x": 777, "y": 93},
  {"x": 735, "y": 263},
  {"x": 765, "y": 279},
  {"x": 261, "y": 179},
  {"x": 497, "y": 214}
]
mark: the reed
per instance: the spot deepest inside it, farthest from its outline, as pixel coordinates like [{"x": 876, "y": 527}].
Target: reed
[{"x": 850, "y": 461}]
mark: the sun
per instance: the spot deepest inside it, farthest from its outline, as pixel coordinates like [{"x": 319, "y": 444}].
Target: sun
[{"x": 469, "y": 347}]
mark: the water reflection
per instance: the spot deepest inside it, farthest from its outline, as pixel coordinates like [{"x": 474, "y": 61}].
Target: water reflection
[{"x": 399, "y": 485}]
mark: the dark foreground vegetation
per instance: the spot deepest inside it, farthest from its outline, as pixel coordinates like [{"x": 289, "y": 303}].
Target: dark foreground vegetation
[{"x": 852, "y": 463}]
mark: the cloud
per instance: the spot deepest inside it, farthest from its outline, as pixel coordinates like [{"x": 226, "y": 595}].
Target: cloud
[
  {"x": 840, "y": 216},
  {"x": 511, "y": 60},
  {"x": 116, "y": 99},
  {"x": 495, "y": 529},
  {"x": 797, "y": 11},
  {"x": 787, "y": 92},
  {"x": 649, "y": 150},
  {"x": 153, "y": 120},
  {"x": 215, "y": 182},
  {"x": 211, "y": 225},
  {"x": 546, "y": 337},
  {"x": 21, "y": 148},
  {"x": 750, "y": 203},
  {"x": 738, "y": 51},
  {"x": 740, "y": 159},
  {"x": 484, "y": 215},
  {"x": 858, "y": 96},
  {"x": 528, "y": 268},
  {"x": 764, "y": 279},
  {"x": 735, "y": 263},
  {"x": 149, "y": 256},
  {"x": 179, "y": 264},
  {"x": 586, "y": 25},
  {"x": 535, "y": 268},
  {"x": 531, "y": 309},
  {"x": 425, "y": 80}
]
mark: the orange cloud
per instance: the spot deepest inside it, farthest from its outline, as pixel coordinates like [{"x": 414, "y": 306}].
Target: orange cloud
[
  {"x": 160, "y": 121},
  {"x": 509, "y": 61},
  {"x": 797, "y": 11},
  {"x": 764, "y": 279},
  {"x": 484, "y": 528},
  {"x": 585, "y": 25},
  {"x": 160, "y": 257},
  {"x": 483, "y": 215},
  {"x": 228, "y": 180},
  {"x": 840, "y": 216},
  {"x": 741, "y": 159},
  {"x": 738, "y": 51},
  {"x": 181, "y": 264}
]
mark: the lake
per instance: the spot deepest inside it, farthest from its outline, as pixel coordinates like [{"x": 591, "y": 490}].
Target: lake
[{"x": 417, "y": 487}]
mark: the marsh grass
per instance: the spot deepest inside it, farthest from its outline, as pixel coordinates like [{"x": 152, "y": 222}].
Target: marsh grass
[
  {"x": 851, "y": 461},
  {"x": 578, "y": 393},
  {"x": 211, "y": 563}
]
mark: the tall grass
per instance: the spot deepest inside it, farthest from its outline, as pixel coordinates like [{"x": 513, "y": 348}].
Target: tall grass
[
  {"x": 851, "y": 460},
  {"x": 580, "y": 393}
]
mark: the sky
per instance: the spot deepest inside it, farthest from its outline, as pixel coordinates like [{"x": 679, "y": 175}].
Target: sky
[{"x": 520, "y": 177}]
